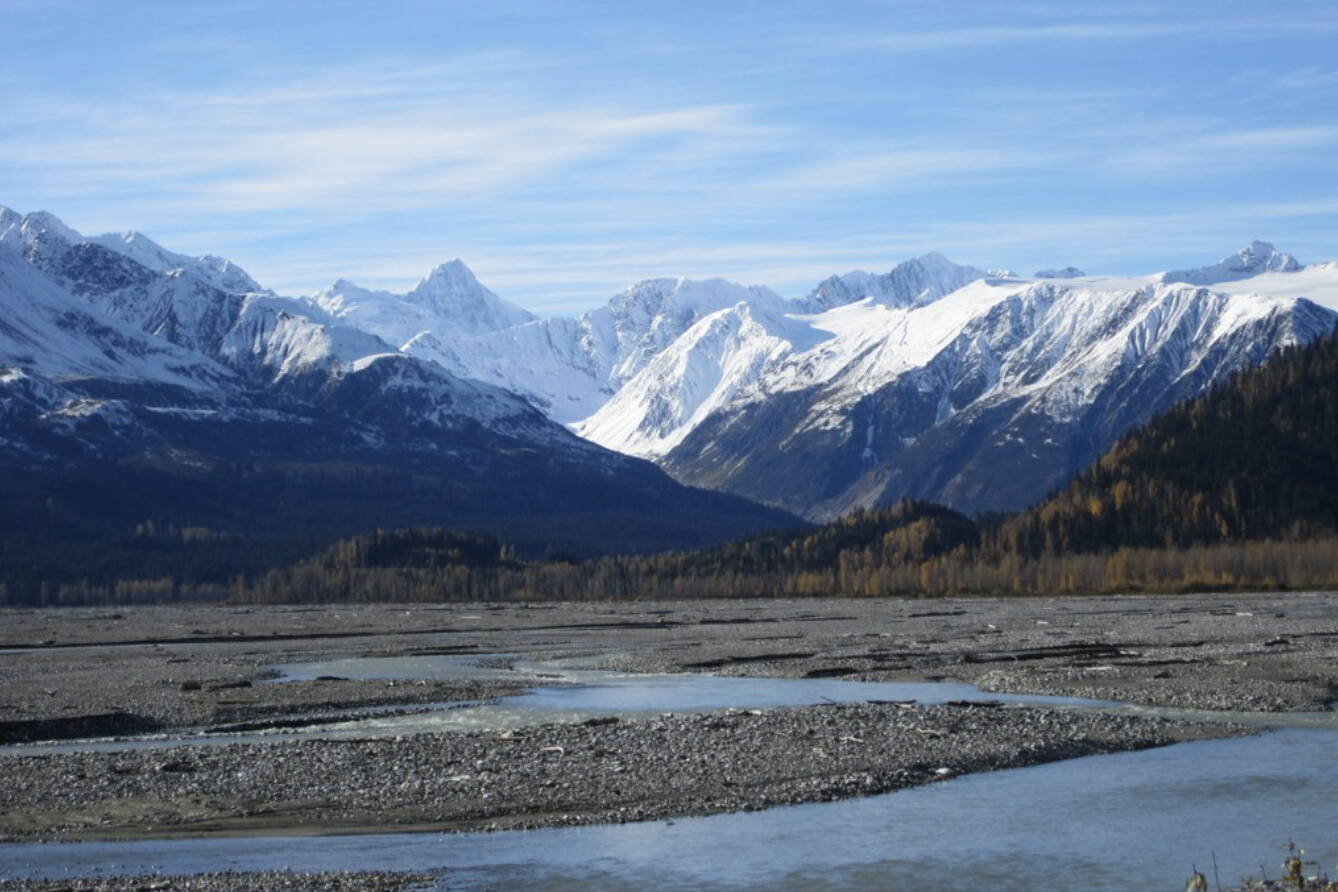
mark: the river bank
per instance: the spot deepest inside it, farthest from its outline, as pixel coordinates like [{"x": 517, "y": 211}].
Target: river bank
[
  {"x": 231, "y": 881},
  {"x": 188, "y": 666},
  {"x": 183, "y": 670},
  {"x": 603, "y": 770}
]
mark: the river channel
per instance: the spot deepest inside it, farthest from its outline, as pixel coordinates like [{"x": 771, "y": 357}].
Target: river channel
[{"x": 1136, "y": 820}]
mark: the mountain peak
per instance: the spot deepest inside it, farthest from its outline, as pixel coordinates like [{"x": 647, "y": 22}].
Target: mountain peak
[
  {"x": 914, "y": 282},
  {"x": 454, "y": 293},
  {"x": 932, "y": 259},
  {"x": 447, "y": 279},
  {"x": 36, "y": 231},
  {"x": 217, "y": 271},
  {"x": 1255, "y": 258},
  {"x": 1260, "y": 256},
  {"x": 42, "y": 222},
  {"x": 681, "y": 297},
  {"x": 1068, "y": 272}
]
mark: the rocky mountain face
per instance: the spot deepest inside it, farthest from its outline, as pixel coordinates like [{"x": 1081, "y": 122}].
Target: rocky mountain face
[
  {"x": 1026, "y": 386},
  {"x": 116, "y": 354},
  {"x": 983, "y": 390},
  {"x": 1257, "y": 257},
  {"x": 918, "y": 281},
  {"x": 567, "y": 366}
]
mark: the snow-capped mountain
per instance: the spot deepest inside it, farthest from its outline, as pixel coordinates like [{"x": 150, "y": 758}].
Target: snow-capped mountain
[
  {"x": 448, "y": 302},
  {"x": 117, "y": 353},
  {"x": 55, "y": 334},
  {"x": 567, "y": 366},
  {"x": 217, "y": 271},
  {"x": 1257, "y": 257},
  {"x": 920, "y": 280},
  {"x": 983, "y": 399},
  {"x": 250, "y": 340},
  {"x": 699, "y": 373},
  {"x": 571, "y": 367},
  {"x": 935, "y": 380}
]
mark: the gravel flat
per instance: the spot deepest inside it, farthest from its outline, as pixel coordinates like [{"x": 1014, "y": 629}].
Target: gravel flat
[
  {"x": 1266, "y": 652},
  {"x": 604, "y": 770},
  {"x": 82, "y": 672},
  {"x": 230, "y": 881}
]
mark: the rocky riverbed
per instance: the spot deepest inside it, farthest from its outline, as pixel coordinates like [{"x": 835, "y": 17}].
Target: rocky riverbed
[
  {"x": 76, "y": 673},
  {"x": 1267, "y": 652},
  {"x": 232, "y": 881},
  {"x": 602, "y": 770}
]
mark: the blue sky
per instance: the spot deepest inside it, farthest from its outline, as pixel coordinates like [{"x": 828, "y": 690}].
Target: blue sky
[{"x": 566, "y": 149}]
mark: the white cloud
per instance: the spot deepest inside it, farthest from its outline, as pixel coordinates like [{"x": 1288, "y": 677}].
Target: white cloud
[
  {"x": 951, "y": 38},
  {"x": 1207, "y": 153},
  {"x": 903, "y": 167},
  {"x": 1308, "y": 77},
  {"x": 358, "y": 140},
  {"x": 1068, "y": 32}
]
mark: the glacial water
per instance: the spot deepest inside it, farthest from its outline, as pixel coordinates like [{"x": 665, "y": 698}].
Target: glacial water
[
  {"x": 1118, "y": 822},
  {"x": 1114, "y": 822},
  {"x": 561, "y": 694}
]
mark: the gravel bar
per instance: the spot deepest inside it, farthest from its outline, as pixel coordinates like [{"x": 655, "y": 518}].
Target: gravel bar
[
  {"x": 228, "y": 881},
  {"x": 604, "y": 770}
]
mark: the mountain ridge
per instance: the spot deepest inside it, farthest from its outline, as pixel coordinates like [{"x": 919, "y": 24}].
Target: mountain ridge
[
  {"x": 934, "y": 380},
  {"x": 160, "y": 392}
]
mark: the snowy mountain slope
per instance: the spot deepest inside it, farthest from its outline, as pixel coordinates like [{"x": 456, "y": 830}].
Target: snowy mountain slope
[
  {"x": 985, "y": 399},
  {"x": 286, "y": 345},
  {"x": 75, "y": 380},
  {"x": 1257, "y": 257},
  {"x": 221, "y": 273},
  {"x": 562, "y": 365},
  {"x": 699, "y": 373},
  {"x": 640, "y": 322},
  {"x": 567, "y": 366},
  {"x": 274, "y": 339},
  {"x": 1317, "y": 282},
  {"x": 122, "y": 363},
  {"x": 572, "y": 367},
  {"x": 936, "y": 380},
  {"x": 738, "y": 355},
  {"x": 54, "y": 334},
  {"x": 167, "y": 295},
  {"x": 449, "y": 302},
  {"x": 286, "y": 348},
  {"x": 913, "y": 282}
]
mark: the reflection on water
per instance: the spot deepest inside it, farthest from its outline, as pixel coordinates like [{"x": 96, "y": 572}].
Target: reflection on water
[{"x": 1118, "y": 822}]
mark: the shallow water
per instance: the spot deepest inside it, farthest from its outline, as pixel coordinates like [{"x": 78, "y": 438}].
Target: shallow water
[
  {"x": 1118, "y": 822},
  {"x": 562, "y": 695}
]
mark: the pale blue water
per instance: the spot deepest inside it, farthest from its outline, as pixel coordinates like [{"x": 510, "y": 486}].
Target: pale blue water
[
  {"x": 1118, "y": 822},
  {"x": 581, "y": 694},
  {"x": 1129, "y": 821}
]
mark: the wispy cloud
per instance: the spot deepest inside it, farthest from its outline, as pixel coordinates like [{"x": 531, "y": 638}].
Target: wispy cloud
[
  {"x": 1115, "y": 30},
  {"x": 1208, "y": 153},
  {"x": 951, "y": 38},
  {"x": 566, "y": 150},
  {"x": 921, "y": 167},
  {"x": 1308, "y": 77},
  {"x": 356, "y": 141}
]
